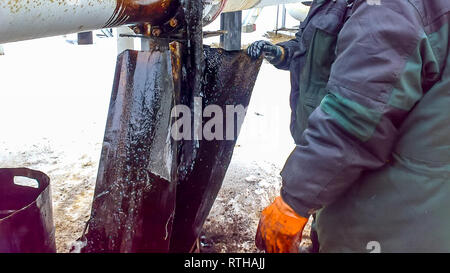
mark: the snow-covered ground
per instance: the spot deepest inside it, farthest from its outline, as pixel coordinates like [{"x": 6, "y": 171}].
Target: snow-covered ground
[{"x": 54, "y": 98}]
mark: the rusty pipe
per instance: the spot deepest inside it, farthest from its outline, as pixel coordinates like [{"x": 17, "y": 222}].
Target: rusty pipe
[{"x": 30, "y": 19}]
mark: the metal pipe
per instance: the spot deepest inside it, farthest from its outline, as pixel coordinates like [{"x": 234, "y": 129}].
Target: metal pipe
[
  {"x": 235, "y": 5},
  {"x": 24, "y": 19},
  {"x": 214, "y": 7},
  {"x": 298, "y": 12},
  {"x": 276, "y": 24}
]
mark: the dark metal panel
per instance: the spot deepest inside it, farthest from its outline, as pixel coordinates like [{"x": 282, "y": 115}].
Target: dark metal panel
[
  {"x": 228, "y": 79},
  {"x": 134, "y": 198},
  {"x": 85, "y": 38},
  {"x": 231, "y": 22}
]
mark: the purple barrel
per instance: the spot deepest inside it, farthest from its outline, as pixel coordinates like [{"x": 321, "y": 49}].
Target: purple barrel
[{"x": 26, "y": 220}]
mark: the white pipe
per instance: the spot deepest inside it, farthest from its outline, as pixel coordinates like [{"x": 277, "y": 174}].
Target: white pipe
[
  {"x": 214, "y": 7},
  {"x": 297, "y": 11},
  {"x": 23, "y": 19},
  {"x": 235, "y": 5},
  {"x": 29, "y": 19}
]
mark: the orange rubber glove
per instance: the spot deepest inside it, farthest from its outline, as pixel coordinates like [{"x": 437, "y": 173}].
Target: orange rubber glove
[{"x": 280, "y": 228}]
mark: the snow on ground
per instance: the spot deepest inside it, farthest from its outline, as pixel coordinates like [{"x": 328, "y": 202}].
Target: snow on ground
[{"x": 54, "y": 98}]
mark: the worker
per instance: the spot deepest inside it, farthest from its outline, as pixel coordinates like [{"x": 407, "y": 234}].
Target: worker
[{"x": 370, "y": 106}]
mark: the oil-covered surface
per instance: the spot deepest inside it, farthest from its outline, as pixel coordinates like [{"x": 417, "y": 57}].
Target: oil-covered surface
[
  {"x": 154, "y": 194},
  {"x": 134, "y": 200},
  {"x": 193, "y": 58},
  {"x": 228, "y": 79},
  {"x": 154, "y": 12},
  {"x": 26, "y": 223}
]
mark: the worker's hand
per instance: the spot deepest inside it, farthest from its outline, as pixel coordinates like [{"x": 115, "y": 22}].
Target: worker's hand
[
  {"x": 272, "y": 53},
  {"x": 280, "y": 228}
]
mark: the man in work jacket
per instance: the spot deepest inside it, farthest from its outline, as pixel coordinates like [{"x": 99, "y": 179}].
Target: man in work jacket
[{"x": 370, "y": 106}]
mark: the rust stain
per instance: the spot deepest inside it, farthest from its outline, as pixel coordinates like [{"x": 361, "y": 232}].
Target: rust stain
[
  {"x": 126, "y": 11},
  {"x": 16, "y": 6},
  {"x": 136, "y": 11},
  {"x": 175, "y": 51}
]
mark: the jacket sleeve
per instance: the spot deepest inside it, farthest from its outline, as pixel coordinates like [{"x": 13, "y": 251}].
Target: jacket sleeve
[
  {"x": 290, "y": 48},
  {"x": 295, "y": 48},
  {"x": 375, "y": 81}
]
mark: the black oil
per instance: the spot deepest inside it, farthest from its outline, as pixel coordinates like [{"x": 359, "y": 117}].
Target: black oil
[
  {"x": 134, "y": 197},
  {"x": 228, "y": 78},
  {"x": 140, "y": 204}
]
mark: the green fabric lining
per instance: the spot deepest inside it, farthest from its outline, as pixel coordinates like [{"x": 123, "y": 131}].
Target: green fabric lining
[
  {"x": 407, "y": 90},
  {"x": 355, "y": 118}
]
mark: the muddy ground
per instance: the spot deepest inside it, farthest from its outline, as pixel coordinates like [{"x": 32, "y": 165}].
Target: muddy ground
[{"x": 248, "y": 188}]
